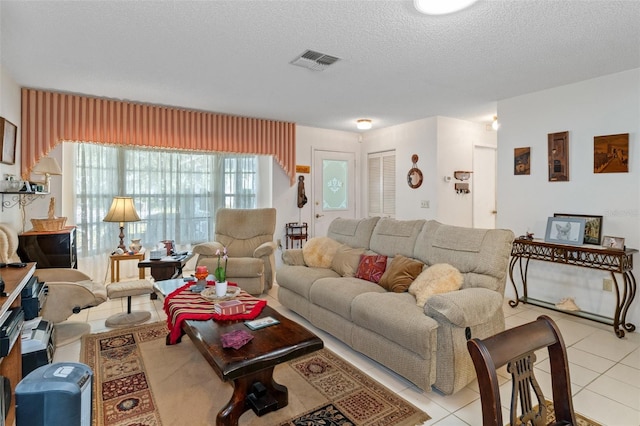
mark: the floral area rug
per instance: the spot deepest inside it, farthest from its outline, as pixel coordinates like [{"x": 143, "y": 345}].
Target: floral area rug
[{"x": 139, "y": 380}]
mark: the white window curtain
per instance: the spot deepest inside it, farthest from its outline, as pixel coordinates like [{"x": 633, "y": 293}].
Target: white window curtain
[{"x": 176, "y": 195}]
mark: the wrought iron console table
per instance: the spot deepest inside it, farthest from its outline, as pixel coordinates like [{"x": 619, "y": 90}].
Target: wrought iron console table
[{"x": 604, "y": 259}]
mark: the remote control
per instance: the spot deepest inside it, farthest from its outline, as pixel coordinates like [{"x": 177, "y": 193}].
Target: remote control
[{"x": 17, "y": 265}]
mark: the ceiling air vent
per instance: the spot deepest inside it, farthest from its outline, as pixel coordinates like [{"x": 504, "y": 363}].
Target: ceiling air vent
[{"x": 315, "y": 61}]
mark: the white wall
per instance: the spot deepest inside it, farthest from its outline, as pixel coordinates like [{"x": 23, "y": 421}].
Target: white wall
[
  {"x": 443, "y": 145},
  {"x": 10, "y": 110},
  {"x": 601, "y": 106}
]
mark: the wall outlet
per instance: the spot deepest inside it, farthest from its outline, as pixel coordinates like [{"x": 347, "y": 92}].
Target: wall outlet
[
  {"x": 607, "y": 284},
  {"x": 424, "y": 204},
  {"x": 279, "y": 241}
]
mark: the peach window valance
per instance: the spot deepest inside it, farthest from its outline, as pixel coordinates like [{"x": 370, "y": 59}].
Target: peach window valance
[{"x": 49, "y": 118}]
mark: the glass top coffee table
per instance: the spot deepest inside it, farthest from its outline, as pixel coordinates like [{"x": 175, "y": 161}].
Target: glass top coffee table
[{"x": 249, "y": 368}]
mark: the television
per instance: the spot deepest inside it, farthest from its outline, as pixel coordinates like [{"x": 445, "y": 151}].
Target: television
[{"x": 8, "y": 132}]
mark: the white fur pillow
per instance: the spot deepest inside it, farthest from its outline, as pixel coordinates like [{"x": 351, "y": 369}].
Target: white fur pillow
[
  {"x": 318, "y": 252},
  {"x": 438, "y": 278}
]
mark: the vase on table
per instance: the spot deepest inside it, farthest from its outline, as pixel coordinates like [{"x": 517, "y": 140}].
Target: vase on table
[{"x": 221, "y": 288}]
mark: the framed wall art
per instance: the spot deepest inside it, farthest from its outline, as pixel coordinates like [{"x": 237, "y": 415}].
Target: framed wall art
[
  {"x": 611, "y": 153},
  {"x": 565, "y": 230},
  {"x": 522, "y": 161},
  {"x": 592, "y": 227},
  {"x": 613, "y": 242},
  {"x": 8, "y": 132},
  {"x": 558, "y": 144}
]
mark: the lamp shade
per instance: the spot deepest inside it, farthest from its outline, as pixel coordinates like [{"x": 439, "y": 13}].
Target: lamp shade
[
  {"x": 47, "y": 166},
  {"x": 122, "y": 210}
]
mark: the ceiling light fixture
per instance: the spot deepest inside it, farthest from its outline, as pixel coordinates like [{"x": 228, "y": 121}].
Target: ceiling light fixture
[
  {"x": 363, "y": 124},
  {"x": 494, "y": 123},
  {"x": 441, "y": 7}
]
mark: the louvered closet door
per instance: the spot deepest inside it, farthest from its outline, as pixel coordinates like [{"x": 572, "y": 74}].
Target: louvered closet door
[{"x": 381, "y": 183}]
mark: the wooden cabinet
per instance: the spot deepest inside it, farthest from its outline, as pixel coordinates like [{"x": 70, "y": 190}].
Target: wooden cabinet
[
  {"x": 49, "y": 249},
  {"x": 11, "y": 365}
]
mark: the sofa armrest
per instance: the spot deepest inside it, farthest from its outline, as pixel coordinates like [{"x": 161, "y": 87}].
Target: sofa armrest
[
  {"x": 66, "y": 298},
  {"x": 61, "y": 274},
  {"x": 464, "y": 308},
  {"x": 264, "y": 249},
  {"x": 293, "y": 257},
  {"x": 207, "y": 249}
]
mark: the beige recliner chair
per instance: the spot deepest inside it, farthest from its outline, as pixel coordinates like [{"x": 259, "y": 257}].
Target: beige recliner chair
[
  {"x": 69, "y": 292},
  {"x": 248, "y": 236}
]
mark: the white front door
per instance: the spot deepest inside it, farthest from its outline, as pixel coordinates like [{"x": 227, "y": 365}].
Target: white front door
[
  {"x": 333, "y": 188},
  {"x": 484, "y": 187}
]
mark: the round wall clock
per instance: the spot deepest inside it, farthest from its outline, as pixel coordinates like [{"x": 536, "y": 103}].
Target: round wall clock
[{"x": 414, "y": 177}]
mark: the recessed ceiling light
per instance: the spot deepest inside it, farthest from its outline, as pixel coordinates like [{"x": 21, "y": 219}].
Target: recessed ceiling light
[
  {"x": 363, "y": 124},
  {"x": 441, "y": 7}
]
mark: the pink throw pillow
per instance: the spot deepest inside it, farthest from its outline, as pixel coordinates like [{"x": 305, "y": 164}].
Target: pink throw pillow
[{"x": 371, "y": 267}]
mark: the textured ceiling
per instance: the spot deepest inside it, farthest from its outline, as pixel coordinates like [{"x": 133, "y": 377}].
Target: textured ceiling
[{"x": 396, "y": 64}]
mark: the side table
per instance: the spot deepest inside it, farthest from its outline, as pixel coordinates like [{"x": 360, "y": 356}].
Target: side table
[
  {"x": 167, "y": 268},
  {"x": 296, "y": 232},
  {"x": 115, "y": 264}
]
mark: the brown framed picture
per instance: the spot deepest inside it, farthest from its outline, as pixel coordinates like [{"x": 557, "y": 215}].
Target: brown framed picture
[
  {"x": 592, "y": 227},
  {"x": 522, "y": 161},
  {"x": 611, "y": 153},
  {"x": 8, "y": 133},
  {"x": 558, "y": 144}
]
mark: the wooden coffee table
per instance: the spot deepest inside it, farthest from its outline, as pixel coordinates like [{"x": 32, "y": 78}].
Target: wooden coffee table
[{"x": 250, "y": 368}]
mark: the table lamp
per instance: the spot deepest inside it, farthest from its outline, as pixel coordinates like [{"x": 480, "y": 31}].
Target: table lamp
[
  {"x": 47, "y": 166},
  {"x": 122, "y": 210}
]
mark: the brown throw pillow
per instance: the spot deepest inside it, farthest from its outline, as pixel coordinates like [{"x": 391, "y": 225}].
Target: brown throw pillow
[
  {"x": 346, "y": 260},
  {"x": 371, "y": 267},
  {"x": 400, "y": 274}
]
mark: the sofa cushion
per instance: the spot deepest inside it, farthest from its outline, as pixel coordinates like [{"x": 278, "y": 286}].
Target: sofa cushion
[
  {"x": 391, "y": 237},
  {"x": 299, "y": 279},
  {"x": 396, "y": 317},
  {"x": 336, "y": 294},
  {"x": 346, "y": 260},
  {"x": 371, "y": 267},
  {"x": 400, "y": 273},
  {"x": 437, "y": 279},
  {"x": 318, "y": 252},
  {"x": 353, "y": 232}
]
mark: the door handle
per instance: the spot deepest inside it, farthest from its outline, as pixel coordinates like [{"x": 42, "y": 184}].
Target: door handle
[{"x": 318, "y": 216}]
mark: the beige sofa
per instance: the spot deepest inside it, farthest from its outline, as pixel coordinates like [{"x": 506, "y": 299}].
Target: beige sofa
[{"x": 425, "y": 345}]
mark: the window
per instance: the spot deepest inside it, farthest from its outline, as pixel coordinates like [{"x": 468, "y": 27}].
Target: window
[
  {"x": 175, "y": 193},
  {"x": 382, "y": 183}
]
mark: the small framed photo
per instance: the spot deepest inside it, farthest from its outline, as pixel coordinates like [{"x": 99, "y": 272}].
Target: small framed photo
[
  {"x": 592, "y": 227},
  {"x": 8, "y": 132},
  {"x": 613, "y": 242},
  {"x": 565, "y": 230}
]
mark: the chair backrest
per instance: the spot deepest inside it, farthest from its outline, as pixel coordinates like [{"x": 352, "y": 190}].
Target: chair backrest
[
  {"x": 243, "y": 230},
  {"x": 515, "y": 348},
  {"x": 8, "y": 244}
]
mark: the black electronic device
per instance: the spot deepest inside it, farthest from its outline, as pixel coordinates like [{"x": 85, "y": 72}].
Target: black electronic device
[
  {"x": 38, "y": 346},
  {"x": 17, "y": 265},
  {"x": 33, "y": 296},
  {"x": 10, "y": 329},
  {"x": 2, "y": 292},
  {"x": 5, "y": 398}
]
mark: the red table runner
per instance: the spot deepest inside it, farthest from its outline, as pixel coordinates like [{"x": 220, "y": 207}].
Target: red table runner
[{"x": 183, "y": 304}]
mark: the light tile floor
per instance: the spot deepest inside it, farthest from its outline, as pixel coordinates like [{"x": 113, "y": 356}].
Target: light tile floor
[{"x": 605, "y": 370}]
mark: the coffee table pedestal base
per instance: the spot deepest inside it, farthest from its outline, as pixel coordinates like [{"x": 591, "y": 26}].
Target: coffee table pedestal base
[{"x": 243, "y": 387}]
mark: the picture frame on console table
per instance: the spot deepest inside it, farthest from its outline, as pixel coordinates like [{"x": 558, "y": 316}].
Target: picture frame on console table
[
  {"x": 616, "y": 243},
  {"x": 565, "y": 230},
  {"x": 592, "y": 227}
]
